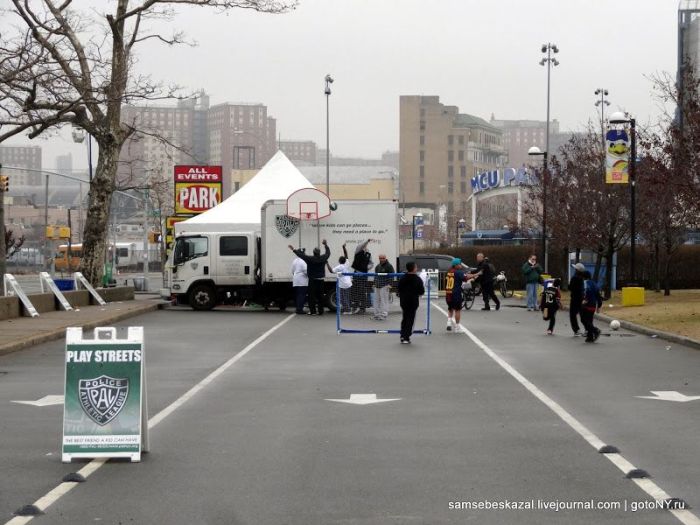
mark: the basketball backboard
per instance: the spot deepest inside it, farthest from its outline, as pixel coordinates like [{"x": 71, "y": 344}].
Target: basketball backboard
[{"x": 308, "y": 204}]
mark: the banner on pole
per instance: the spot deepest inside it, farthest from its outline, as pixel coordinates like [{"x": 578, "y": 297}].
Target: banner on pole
[
  {"x": 105, "y": 411},
  {"x": 617, "y": 154}
]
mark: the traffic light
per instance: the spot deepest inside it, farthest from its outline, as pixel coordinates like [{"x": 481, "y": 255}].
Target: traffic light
[{"x": 4, "y": 183}]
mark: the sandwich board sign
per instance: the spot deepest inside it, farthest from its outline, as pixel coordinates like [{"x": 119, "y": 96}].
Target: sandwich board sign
[{"x": 105, "y": 412}]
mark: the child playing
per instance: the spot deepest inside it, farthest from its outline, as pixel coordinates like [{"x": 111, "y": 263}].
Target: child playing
[
  {"x": 592, "y": 302},
  {"x": 550, "y": 303}
]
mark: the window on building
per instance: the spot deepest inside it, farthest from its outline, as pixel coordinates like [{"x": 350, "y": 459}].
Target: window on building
[
  {"x": 422, "y": 156},
  {"x": 463, "y": 187},
  {"x": 450, "y": 156},
  {"x": 463, "y": 171},
  {"x": 461, "y": 139},
  {"x": 422, "y": 171},
  {"x": 422, "y": 112},
  {"x": 461, "y": 155},
  {"x": 450, "y": 171},
  {"x": 422, "y": 125},
  {"x": 450, "y": 188},
  {"x": 450, "y": 139},
  {"x": 422, "y": 140},
  {"x": 421, "y": 188}
]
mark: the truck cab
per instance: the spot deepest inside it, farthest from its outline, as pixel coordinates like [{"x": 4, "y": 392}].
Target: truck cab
[{"x": 203, "y": 267}]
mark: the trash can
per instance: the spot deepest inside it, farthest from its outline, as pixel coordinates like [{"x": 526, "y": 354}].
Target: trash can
[
  {"x": 140, "y": 284},
  {"x": 65, "y": 285}
]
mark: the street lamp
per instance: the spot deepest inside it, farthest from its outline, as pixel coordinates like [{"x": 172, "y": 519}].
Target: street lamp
[
  {"x": 461, "y": 224},
  {"x": 418, "y": 215},
  {"x": 603, "y": 94},
  {"x": 327, "y": 91},
  {"x": 79, "y": 138},
  {"x": 620, "y": 118},
  {"x": 534, "y": 151}
]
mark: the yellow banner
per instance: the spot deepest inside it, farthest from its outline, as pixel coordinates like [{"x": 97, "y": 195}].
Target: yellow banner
[{"x": 196, "y": 197}]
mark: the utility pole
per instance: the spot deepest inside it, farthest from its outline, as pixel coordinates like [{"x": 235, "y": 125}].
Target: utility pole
[{"x": 3, "y": 248}]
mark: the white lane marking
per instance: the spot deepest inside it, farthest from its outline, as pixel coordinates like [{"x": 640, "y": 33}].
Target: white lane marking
[
  {"x": 52, "y": 496},
  {"x": 652, "y": 489},
  {"x": 669, "y": 395},
  {"x": 43, "y": 402},
  {"x": 363, "y": 399}
]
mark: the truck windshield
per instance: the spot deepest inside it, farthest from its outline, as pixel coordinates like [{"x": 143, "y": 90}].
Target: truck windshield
[{"x": 187, "y": 248}]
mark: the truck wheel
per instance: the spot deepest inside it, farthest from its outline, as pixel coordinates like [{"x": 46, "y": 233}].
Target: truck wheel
[{"x": 202, "y": 297}]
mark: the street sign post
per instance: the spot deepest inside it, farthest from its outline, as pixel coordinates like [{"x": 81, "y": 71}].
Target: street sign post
[{"x": 105, "y": 413}]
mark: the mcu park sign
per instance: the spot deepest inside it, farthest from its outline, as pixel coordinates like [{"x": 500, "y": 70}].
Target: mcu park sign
[
  {"x": 500, "y": 179},
  {"x": 197, "y": 188},
  {"x": 105, "y": 413}
]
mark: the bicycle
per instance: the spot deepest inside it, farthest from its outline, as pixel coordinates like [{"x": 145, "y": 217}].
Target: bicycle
[
  {"x": 501, "y": 283},
  {"x": 470, "y": 290}
]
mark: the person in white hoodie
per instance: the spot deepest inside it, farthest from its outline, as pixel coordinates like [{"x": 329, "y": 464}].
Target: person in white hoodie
[
  {"x": 300, "y": 283},
  {"x": 344, "y": 283}
]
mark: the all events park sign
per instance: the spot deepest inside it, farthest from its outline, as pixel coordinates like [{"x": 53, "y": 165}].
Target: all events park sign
[{"x": 197, "y": 189}]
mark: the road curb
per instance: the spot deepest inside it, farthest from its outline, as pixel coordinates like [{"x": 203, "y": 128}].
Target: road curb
[
  {"x": 645, "y": 330},
  {"x": 58, "y": 333}
]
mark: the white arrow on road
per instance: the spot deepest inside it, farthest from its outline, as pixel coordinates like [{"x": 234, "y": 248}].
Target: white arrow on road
[
  {"x": 43, "y": 402},
  {"x": 363, "y": 399},
  {"x": 670, "y": 395}
]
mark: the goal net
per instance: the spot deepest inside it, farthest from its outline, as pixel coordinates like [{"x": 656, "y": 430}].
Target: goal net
[{"x": 369, "y": 303}]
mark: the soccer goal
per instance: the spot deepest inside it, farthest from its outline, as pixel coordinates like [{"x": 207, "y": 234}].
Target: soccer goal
[{"x": 367, "y": 303}]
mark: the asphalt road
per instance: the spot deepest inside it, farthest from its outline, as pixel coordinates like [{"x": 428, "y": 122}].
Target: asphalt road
[{"x": 261, "y": 444}]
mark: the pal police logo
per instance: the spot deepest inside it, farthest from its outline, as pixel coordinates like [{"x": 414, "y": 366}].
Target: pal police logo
[
  {"x": 286, "y": 225},
  {"x": 102, "y": 398}
]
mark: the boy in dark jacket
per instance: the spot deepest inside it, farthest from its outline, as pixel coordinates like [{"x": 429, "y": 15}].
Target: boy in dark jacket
[
  {"x": 550, "y": 303},
  {"x": 576, "y": 289},
  {"x": 316, "y": 270},
  {"x": 410, "y": 290},
  {"x": 592, "y": 302}
]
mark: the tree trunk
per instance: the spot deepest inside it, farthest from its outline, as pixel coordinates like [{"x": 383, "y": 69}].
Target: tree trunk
[
  {"x": 97, "y": 223},
  {"x": 598, "y": 262},
  {"x": 667, "y": 270},
  {"x": 657, "y": 280}
]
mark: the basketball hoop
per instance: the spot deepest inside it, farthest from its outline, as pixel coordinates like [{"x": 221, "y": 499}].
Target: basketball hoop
[{"x": 308, "y": 204}]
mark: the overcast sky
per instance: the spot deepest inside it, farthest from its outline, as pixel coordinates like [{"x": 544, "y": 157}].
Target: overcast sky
[{"x": 481, "y": 56}]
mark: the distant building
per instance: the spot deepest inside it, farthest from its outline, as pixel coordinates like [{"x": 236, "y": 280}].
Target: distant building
[
  {"x": 688, "y": 35},
  {"x": 520, "y": 135},
  {"x": 64, "y": 164},
  {"x": 301, "y": 152},
  {"x": 347, "y": 161},
  {"x": 27, "y": 157},
  {"x": 391, "y": 158},
  {"x": 440, "y": 151}
]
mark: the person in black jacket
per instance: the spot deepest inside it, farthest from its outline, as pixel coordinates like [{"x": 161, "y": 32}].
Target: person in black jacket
[
  {"x": 316, "y": 270},
  {"x": 486, "y": 272},
  {"x": 410, "y": 289},
  {"x": 362, "y": 263},
  {"x": 576, "y": 290}
]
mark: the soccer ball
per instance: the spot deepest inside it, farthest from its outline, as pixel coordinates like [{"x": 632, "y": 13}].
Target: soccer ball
[{"x": 615, "y": 324}]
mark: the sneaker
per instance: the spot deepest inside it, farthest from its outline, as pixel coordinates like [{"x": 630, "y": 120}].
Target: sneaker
[
  {"x": 578, "y": 334},
  {"x": 596, "y": 335},
  {"x": 449, "y": 324},
  {"x": 549, "y": 332},
  {"x": 498, "y": 307},
  {"x": 405, "y": 342},
  {"x": 486, "y": 309}
]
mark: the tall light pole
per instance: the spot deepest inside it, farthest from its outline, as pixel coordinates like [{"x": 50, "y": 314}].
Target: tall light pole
[
  {"x": 620, "y": 118},
  {"x": 603, "y": 94},
  {"x": 461, "y": 223},
  {"x": 329, "y": 81},
  {"x": 535, "y": 152},
  {"x": 548, "y": 60}
]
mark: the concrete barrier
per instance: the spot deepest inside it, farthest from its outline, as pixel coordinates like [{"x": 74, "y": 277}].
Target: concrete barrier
[{"x": 10, "y": 307}]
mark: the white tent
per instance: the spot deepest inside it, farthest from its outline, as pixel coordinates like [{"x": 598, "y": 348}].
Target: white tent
[{"x": 276, "y": 180}]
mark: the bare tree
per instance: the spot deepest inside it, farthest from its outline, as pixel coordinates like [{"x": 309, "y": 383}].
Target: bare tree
[{"x": 66, "y": 66}]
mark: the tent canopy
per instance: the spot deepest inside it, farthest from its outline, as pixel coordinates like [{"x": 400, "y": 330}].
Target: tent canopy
[{"x": 276, "y": 180}]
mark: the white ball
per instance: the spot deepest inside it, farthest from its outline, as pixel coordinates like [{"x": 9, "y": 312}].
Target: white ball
[{"x": 615, "y": 324}]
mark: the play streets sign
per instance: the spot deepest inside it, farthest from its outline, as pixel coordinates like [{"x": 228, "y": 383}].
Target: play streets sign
[{"x": 104, "y": 411}]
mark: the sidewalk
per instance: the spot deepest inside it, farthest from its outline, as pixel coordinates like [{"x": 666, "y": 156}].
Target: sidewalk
[{"x": 23, "y": 332}]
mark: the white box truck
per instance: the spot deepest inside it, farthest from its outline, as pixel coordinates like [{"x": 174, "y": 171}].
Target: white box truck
[{"x": 253, "y": 263}]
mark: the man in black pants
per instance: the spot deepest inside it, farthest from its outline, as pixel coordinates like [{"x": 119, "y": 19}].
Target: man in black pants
[
  {"x": 485, "y": 271},
  {"x": 576, "y": 289},
  {"x": 362, "y": 263},
  {"x": 316, "y": 270},
  {"x": 410, "y": 289}
]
